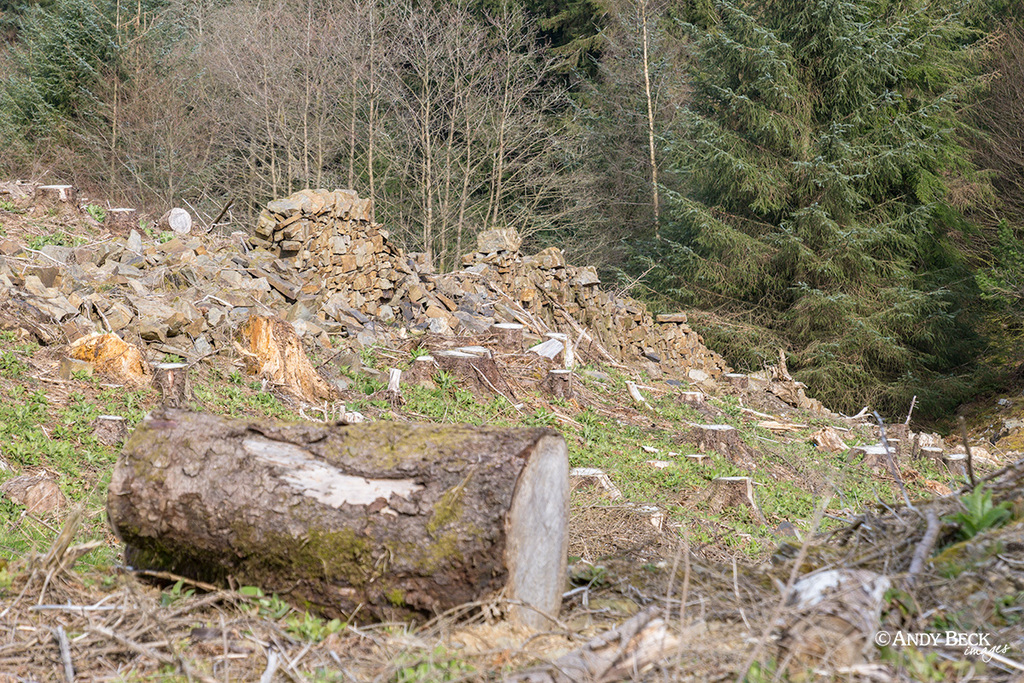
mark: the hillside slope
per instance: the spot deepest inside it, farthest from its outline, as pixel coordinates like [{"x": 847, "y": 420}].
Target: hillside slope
[{"x": 701, "y": 493}]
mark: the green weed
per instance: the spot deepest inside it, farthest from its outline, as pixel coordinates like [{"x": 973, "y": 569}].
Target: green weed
[
  {"x": 979, "y": 514},
  {"x": 97, "y": 212}
]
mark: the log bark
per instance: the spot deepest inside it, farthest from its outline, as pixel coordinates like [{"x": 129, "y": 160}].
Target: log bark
[{"x": 392, "y": 520}]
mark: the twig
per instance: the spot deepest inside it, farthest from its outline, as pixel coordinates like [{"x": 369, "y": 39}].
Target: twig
[
  {"x": 221, "y": 214},
  {"x": 484, "y": 378},
  {"x": 892, "y": 463},
  {"x": 924, "y": 548},
  {"x": 273, "y": 661},
  {"x": 967, "y": 447},
  {"x": 168, "y": 576},
  {"x": 913, "y": 402},
  {"x": 65, "y": 653}
]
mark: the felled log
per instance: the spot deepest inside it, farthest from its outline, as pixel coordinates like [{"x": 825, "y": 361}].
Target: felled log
[
  {"x": 622, "y": 653},
  {"x": 397, "y": 520},
  {"x": 272, "y": 351}
]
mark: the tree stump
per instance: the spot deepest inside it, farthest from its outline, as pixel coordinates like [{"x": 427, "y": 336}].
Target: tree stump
[
  {"x": 874, "y": 456},
  {"x": 508, "y": 335},
  {"x": 732, "y": 492},
  {"x": 171, "y": 379},
  {"x": 397, "y": 520},
  {"x": 272, "y": 351},
  {"x": 476, "y": 373},
  {"x": 38, "y": 493},
  {"x": 112, "y": 356},
  {"x": 55, "y": 195},
  {"x": 109, "y": 429},
  {"x": 724, "y": 440},
  {"x": 421, "y": 373},
  {"x": 558, "y": 383},
  {"x": 692, "y": 398},
  {"x": 122, "y": 220}
]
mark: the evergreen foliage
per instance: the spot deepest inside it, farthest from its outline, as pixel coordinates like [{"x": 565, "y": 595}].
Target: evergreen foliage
[{"x": 814, "y": 160}]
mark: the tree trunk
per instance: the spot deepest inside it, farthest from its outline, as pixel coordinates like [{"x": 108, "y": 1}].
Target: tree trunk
[{"x": 390, "y": 520}]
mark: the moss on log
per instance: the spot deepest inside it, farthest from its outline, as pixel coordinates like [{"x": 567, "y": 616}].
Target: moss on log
[{"x": 396, "y": 520}]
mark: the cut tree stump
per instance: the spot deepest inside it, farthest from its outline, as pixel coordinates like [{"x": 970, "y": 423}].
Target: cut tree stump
[
  {"x": 478, "y": 374},
  {"x": 122, "y": 220},
  {"x": 558, "y": 383},
  {"x": 112, "y": 356},
  {"x": 54, "y": 195},
  {"x": 272, "y": 351},
  {"x": 509, "y": 335},
  {"x": 421, "y": 373},
  {"x": 382, "y": 519},
  {"x": 171, "y": 379},
  {"x": 38, "y": 493},
  {"x": 724, "y": 440},
  {"x": 109, "y": 429},
  {"x": 732, "y": 492}
]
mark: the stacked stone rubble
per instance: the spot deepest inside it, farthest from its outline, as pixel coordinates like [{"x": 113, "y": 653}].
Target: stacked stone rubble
[
  {"x": 331, "y": 271},
  {"x": 330, "y": 232}
]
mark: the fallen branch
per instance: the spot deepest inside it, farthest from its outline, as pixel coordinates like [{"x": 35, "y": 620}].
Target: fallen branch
[
  {"x": 924, "y": 548},
  {"x": 620, "y": 653},
  {"x": 65, "y": 653}
]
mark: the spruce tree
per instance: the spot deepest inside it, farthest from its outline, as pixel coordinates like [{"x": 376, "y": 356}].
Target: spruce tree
[{"x": 814, "y": 160}]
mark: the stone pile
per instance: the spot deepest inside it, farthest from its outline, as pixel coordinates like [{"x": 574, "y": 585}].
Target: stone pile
[
  {"x": 570, "y": 299},
  {"x": 330, "y": 271},
  {"x": 331, "y": 233}
]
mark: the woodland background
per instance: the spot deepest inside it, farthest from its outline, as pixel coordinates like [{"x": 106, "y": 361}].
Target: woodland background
[{"x": 843, "y": 179}]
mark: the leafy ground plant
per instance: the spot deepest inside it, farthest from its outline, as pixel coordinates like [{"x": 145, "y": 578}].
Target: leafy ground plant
[{"x": 979, "y": 514}]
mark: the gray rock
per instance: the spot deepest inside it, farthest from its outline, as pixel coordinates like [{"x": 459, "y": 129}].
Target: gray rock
[
  {"x": 202, "y": 347},
  {"x": 58, "y": 253},
  {"x": 474, "y": 323},
  {"x": 118, "y": 316},
  {"x": 230, "y": 277},
  {"x": 586, "y": 276},
  {"x": 238, "y": 315},
  {"x": 134, "y": 242}
]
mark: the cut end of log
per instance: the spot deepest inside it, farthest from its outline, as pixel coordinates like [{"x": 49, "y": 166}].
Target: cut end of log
[{"x": 538, "y": 539}]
